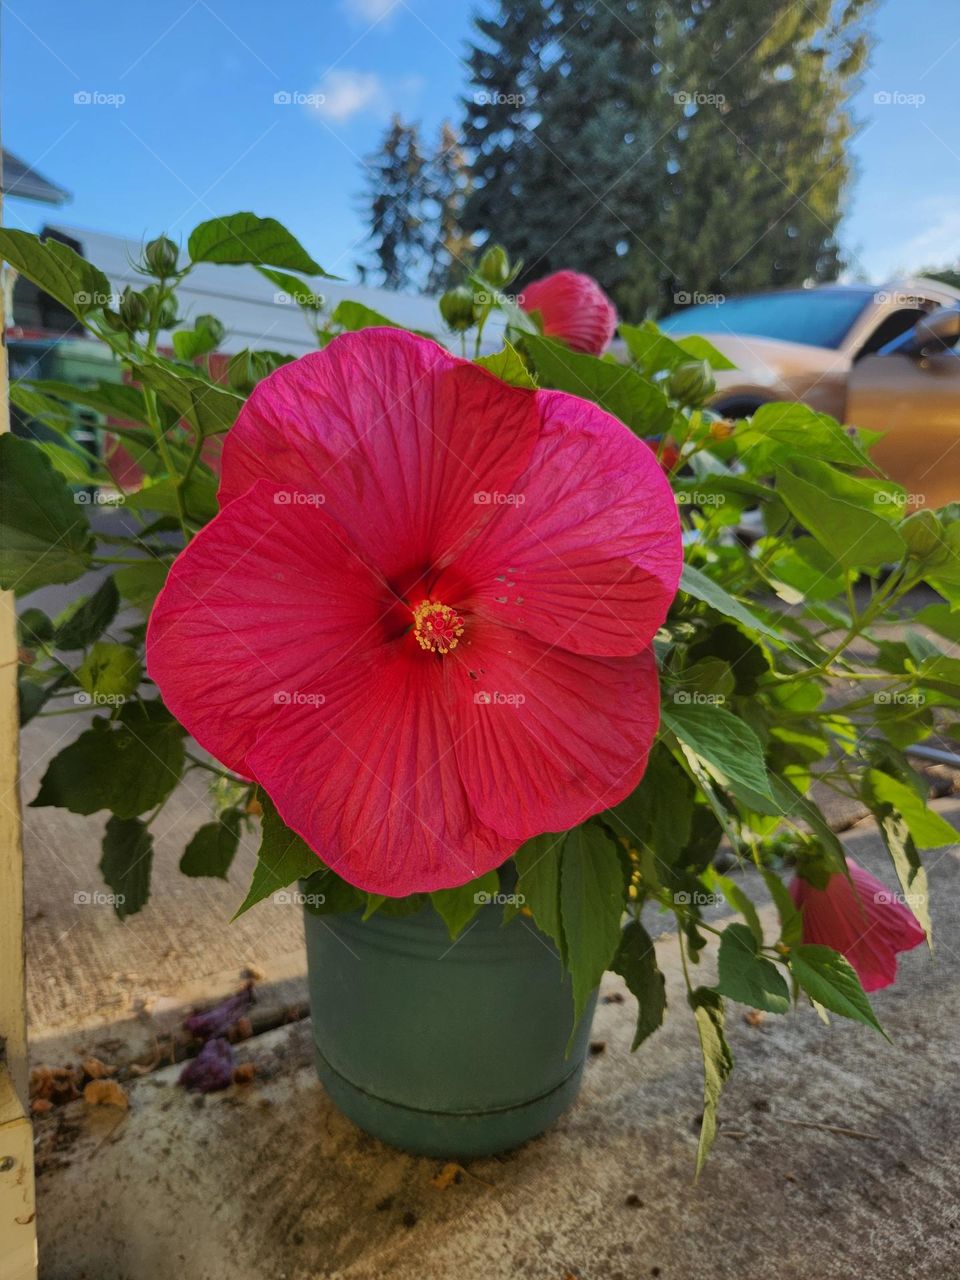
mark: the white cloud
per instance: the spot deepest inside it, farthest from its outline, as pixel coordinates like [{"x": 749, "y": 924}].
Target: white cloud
[
  {"x": 369, "y": 10},
  {"x": 345, "y": 94}
]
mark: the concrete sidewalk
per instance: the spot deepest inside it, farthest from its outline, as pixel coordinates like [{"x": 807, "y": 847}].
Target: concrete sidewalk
[{"x": 266, "y": 1180}]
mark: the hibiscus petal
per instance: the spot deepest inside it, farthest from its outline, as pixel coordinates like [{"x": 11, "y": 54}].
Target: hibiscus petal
[
  {"x": 369, "y": 778},
  {"x": 546, "y": 738},
  {"x": 585, "y": 552},
  {"x": 262, "y": 601},
  {"x": 395, "y": 433}
]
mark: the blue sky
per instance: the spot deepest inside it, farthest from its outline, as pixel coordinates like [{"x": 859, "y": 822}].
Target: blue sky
[{"x": 185, "y": 123}]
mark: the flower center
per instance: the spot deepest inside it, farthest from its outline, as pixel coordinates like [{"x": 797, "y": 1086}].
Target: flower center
[{"x": 438, "y": 628}]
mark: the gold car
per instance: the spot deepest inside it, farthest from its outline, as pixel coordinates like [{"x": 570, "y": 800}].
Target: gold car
[{"x": 881, "y": 358}]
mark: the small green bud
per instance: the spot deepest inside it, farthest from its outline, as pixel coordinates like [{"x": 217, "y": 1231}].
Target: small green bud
[
  {"x": 691, "y": 384},
  {"x": 133, "y": 310},
  {"x": 34, "y": 627},
  {"x": 495, "y": 266},
  {"x": 924, "y": 537},
  {"x": 211, "y": 325},
  {"x": 457, "y": 308},
  {"x": 160, "y": 257}
]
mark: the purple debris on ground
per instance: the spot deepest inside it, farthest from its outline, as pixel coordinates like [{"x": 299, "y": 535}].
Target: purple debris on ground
[
  {"x": 218, "y": 1020},
  {"x": 211, "y": 1069}
]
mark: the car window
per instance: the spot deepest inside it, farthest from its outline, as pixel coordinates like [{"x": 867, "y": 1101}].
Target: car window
[
  {"x": 813, "y": 317},
  {"x": 892, "y": 326}
]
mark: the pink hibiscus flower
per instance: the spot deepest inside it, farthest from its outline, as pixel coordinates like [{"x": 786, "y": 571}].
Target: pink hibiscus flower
[
  {"x": 574, "y": 309},
  {"x": 861, "y": 919},
  {"x": 422, "y": 619}
]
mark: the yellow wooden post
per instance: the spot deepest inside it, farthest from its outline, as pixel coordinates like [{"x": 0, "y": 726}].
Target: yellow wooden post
[{"x": 18, "y": 1231}]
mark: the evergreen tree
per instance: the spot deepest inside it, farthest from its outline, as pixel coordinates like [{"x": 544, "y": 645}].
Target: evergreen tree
[
  {"x": 675, "y": 148},
  {"x": 449, "y": 186},
  {"x": 396, "y": 200}
]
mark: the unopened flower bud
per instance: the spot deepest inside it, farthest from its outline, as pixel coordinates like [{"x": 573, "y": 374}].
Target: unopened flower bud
[
  {"x": 214, "y": 327},
  {"x": 133, "y": 310},
  {"x": 691, "y": 384},
  {"x": 495, "y": 266},
  {"x": 160, "y": 257},
  {"x": 456, "y": 307}
]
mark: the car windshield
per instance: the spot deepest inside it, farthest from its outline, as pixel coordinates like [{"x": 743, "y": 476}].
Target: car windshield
[{"x": 814, "y": 317}]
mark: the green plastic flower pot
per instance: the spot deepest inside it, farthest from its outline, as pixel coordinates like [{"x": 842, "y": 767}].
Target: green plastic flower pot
[{"x": 449, "y": 1049}]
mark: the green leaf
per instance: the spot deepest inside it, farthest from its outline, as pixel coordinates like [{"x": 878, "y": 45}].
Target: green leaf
[
  {"x": 790, "y": 803},
  {"x": 126, "y": 863},
  {"x": 73, "y": 281},
  {"x": 791, "y": 920},
  {"x": 855, "y": 536},
  {"x": 928, "y": 829},
  {"x": 128, "y": 767},
  {"x": 701, "y": 349},
  {"x": 636, "y": 962},
  {"x": 656, "y": 817},
  {"x": 748, "y": 977},
  {"x": 727, "y": 746},
  {"x": 798, "y": 430},
  {"x": 282, "y": 858},
  {"x": 45, "y": 536},
  {"x": 591, "y": 905},
  {"x": 731, "y": 891},
  {"x": 831, "y": 980},
  {"x": 199, "y": 496},
  {"x": 508, "y": 366},
  {"x": 457, "y": 907},
  {"x": 655, "y": 351},
  {"x": 698, "y": 585},
  {"x": 244, "y": 238},
  {"x": 209, "y": 408},
  {"x": 110, "y": 673},
  {"x": 707, "y": 1009},
  {"x": 296, "y": 290},
  {"x": 620, "y": 390},
  {"x": 87, "y": 619},
  {"x": 538, "y": 869},
  {"x": 139, "y": 584},
  {"x": 71, "y": 463},
  {"x": 212, "y": 848},
  {"x": 353, "y": 316},
  {"x": 112, "y": 399}
]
